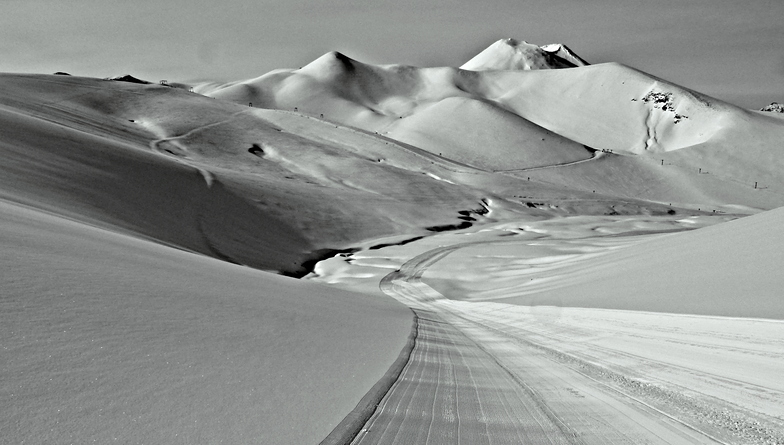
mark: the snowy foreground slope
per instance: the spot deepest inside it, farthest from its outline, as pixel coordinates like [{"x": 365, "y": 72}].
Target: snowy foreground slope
[
  {"x": 108, "y": 337},
  {"x": 142, "y": 226}
]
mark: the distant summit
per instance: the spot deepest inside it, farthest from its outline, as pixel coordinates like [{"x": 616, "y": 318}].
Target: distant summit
[
  {"x": 511, "y": 54},
  {"x": 129, "y": 78}
]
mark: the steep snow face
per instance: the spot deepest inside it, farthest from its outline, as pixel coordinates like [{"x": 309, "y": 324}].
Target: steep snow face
[
  {"x": 565, "y": 53},
  {"x": 510, "y": 54}
]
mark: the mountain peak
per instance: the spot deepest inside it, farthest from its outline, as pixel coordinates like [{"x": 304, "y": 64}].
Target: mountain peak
[
  {"x": 512, "y": 54},
  {"x": 332, "y": 62}
]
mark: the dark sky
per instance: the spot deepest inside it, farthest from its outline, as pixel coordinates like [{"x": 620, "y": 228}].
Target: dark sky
[{"x": 728, "y": 49}]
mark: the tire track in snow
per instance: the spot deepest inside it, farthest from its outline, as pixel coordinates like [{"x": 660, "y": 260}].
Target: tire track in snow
[
  {"x": 155, "y": 145},
  {"x": 712, "y": 416},
  {"x": 452, "y": 392},
  {"x": 471, "y": 383},
  {"x": 352, "y": 424}
]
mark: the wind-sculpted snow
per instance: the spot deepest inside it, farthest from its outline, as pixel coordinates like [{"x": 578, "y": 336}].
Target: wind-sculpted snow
[{"x": 599, "y": 272}]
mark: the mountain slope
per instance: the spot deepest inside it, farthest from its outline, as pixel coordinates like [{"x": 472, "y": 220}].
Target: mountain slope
[
  {"x": 181, "y": 168},
  {"x": 725, "y": 270},
  {"x": 528, "y": 119}
]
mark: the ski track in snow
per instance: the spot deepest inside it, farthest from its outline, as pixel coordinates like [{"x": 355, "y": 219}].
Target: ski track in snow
[
  {"x": 490, "y": 373},
  {"x": 155, "y": 146},
  {"x": 594, "y": 156}
]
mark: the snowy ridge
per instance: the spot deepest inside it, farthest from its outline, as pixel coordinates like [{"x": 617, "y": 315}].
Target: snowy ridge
[
  {"x": 602, "y": 106},
  {"x": 528, "y": 119}
]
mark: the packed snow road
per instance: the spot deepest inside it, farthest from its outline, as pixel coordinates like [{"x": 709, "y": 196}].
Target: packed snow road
[{"x": 490, "y": 373}]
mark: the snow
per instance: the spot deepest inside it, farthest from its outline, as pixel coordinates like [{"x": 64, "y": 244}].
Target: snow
[
  {"x": 510, "y": 54},
  {"x": 142, "y": 228},
  {"x": 727, "y": 269},
  {"x": 109, "y": 337},
  {"x": 481, "y": 118}
]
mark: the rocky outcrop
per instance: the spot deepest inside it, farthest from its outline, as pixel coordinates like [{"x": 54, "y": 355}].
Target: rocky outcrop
[{"x": 773, "y": 108}]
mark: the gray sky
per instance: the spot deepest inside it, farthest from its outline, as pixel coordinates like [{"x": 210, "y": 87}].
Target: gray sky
[{"x": 725, "y": 48}]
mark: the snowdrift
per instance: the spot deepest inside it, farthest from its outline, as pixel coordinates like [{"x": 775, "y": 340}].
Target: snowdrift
[{"x": 730, "y": 270}]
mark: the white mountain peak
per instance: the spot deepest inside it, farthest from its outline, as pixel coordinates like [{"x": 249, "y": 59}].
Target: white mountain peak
[{"x": 512, "y": 54}]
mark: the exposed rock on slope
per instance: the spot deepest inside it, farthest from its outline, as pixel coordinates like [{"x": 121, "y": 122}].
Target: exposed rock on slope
[{"x": 773, "y": 107}]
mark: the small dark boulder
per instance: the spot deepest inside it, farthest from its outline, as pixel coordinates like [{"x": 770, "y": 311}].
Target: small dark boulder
[{"x": 256, "y": 150}]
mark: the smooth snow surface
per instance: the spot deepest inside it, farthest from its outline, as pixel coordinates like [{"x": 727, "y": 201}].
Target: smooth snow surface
[{"x": 107, "y": 337}]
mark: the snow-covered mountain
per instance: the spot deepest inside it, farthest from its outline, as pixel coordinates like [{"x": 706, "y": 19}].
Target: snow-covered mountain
[
  {"x": 514, "y": 119},
  {"x": 511, "y": 54}
]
